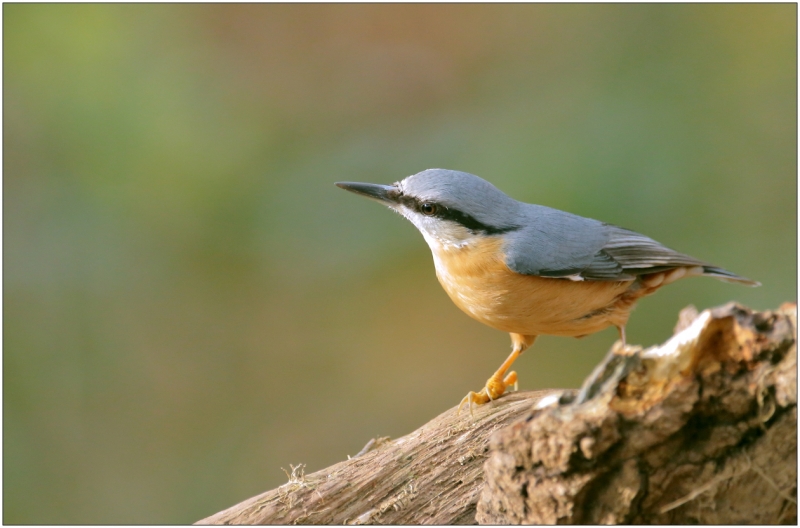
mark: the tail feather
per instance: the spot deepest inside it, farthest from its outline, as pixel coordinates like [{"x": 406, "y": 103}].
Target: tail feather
[{"x": 727, "y": 276}]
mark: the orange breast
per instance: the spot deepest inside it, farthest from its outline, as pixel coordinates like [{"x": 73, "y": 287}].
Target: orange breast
[{"x": 479, "y": 282}]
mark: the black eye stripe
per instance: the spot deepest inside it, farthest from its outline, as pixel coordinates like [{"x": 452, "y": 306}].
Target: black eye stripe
[{"x": 447, "y": 213}]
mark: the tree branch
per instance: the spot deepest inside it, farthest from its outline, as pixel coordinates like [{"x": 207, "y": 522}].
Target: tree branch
[
  {"x": 431, "y": 476},
  {"x": 701, "y": 429}
]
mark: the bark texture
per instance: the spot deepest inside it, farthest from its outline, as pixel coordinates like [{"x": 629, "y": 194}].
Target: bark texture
[
  {"x": 431, "y": 476},
  {"x": 701, "y": 429}
]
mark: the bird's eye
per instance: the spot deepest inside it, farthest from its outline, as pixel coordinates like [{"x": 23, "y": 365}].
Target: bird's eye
[{"x": 428, "y": 209}]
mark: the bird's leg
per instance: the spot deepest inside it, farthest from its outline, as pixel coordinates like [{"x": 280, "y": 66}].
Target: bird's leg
[
  {"x": 500, "y": 381},
  {"x": 621, "y": 330}
]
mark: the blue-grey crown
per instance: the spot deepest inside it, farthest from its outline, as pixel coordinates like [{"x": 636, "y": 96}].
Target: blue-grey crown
[{"x": 464, "y": 198}]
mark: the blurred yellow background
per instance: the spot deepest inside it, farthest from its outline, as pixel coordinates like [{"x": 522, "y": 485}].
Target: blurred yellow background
[{"x": 191, "y": 305}]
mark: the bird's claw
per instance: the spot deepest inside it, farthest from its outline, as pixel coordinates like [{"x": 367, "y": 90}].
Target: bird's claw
[{"x": 495, "y": 387}]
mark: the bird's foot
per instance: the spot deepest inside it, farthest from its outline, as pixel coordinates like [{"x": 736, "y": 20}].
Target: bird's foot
[{"x": 495, "y": 387}]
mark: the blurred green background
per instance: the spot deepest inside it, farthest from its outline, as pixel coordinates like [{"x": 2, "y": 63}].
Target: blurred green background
[{"x": 191, "y": 305}]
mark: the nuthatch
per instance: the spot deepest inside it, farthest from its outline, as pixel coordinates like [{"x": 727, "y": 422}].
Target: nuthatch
[{"x": 528, "y": 269}]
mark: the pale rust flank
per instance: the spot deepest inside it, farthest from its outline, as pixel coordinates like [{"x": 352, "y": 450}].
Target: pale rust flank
[{"x": 479, "y": 282}]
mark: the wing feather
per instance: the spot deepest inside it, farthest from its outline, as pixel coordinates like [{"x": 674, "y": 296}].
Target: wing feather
[
  {"x": 562, "y": 245},
  {"x": 639, "y": 254}
]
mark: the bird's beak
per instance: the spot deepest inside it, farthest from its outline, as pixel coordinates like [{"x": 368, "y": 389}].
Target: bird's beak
[{"x": 382, "y": 193}]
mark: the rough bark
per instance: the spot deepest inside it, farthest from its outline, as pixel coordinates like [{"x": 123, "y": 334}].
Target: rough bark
[
  {"x": 701, "y": 429},
  {"x": 431, "y": 476}
]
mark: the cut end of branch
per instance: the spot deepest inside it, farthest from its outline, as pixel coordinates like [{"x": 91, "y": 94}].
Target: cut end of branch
[{"x": 677, "y": 433}]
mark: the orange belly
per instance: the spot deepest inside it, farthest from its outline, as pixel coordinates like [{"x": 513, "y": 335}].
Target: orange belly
[{"x": 479, "y": 282}]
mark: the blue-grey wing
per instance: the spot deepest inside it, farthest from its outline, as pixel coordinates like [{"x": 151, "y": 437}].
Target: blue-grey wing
[
  {"x": 553, "y": 243},
  {"x": 558, "y": 244},
  {"x": 638, "y": 255}
]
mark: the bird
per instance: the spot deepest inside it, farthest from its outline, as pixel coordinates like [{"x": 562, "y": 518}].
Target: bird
[{"x": 528, "y": 269}]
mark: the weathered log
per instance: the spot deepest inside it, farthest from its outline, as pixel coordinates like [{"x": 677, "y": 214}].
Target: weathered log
[
  {"x": 431, "y": 476},
  {"x": 700, "y": 429}
]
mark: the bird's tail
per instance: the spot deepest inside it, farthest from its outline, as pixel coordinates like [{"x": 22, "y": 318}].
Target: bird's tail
[{"x": 727, "y": 276}]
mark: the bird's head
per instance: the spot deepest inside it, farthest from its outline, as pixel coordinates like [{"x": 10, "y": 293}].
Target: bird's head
[{"x": 450, "y": 208}]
